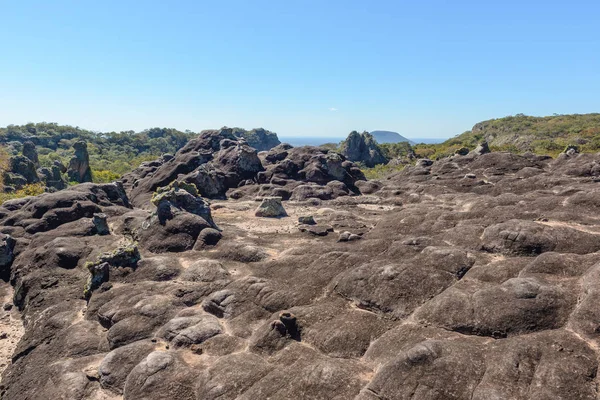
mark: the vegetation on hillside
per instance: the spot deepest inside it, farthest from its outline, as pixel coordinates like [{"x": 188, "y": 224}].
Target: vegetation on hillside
[
  {"x": 111, "y": 153},
  {"x": 521, "y": 133},
  {"x": 115, "y": 153}
]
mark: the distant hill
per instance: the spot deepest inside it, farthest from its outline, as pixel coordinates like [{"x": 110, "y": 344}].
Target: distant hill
[
  {"x": 522, "y": 133},
  {"x": 538, "y": 134},
  {"x": 389, "y": 137}
]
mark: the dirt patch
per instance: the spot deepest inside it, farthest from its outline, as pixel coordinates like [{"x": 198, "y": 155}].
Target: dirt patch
[{"x": 11, "y": 327}]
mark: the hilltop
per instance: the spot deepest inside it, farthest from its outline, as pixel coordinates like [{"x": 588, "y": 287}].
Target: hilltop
[
  {"x": 389, "y": 137},
  {"x": 522, "y": 133}
]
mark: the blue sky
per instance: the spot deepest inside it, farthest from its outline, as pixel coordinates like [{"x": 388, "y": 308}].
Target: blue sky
[{"x": 423, "y": 69}]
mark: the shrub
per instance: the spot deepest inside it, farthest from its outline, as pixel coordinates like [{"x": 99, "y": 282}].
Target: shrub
[{"x": 32, "y": 189}]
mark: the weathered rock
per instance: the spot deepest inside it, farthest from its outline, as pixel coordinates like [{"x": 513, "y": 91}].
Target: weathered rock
[
  {"x": 348, "y": 237},
  {"x": 482, "y": 148},
  {"x": 362, "y": 148},
  {"x": 208, "y": 237},
  {"x": 270, "y": 207},
  {"x": 7, "y": 245},
  {"x": 259, "y": 138},
  {"x": 475, "y": 277},
  {"x": 30, "y": 152},
  {"x": 101, "y": 224},
  {"x": 24, "y": 167},
  {"x": 52, "y": 177},
  {"x": 79, "y": 166}
]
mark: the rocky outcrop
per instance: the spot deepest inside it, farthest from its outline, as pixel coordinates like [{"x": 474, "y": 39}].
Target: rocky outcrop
[
  {"x": 30, "y": 152},
  {"x": 260, "y": 139},
  {"x": 23, "y": 168},
  {"x": 52, "y": 177},
  {"x": 362, "y": 147},
  {"x": 221, "y": 166},
  {"x": 301, "y": 173},
  {"x": 214, "y": 162},
  {"x": 79, "y": 166}
]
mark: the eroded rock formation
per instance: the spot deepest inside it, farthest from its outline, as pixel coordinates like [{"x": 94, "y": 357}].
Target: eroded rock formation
[
  {"x": 362, "y": 147},
  {"x": 475, "y": 277},
  {"x": 79, "y": 166}
]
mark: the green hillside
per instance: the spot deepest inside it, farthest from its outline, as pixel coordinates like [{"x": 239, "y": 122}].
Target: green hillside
[{"x": 522, "y": 133}]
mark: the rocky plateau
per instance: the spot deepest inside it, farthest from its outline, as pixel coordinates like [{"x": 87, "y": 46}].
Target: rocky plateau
[{"x": 473, "y": 277}]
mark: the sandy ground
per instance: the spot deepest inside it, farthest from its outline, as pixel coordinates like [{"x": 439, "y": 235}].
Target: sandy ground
[{"x": 11, "y": 327}]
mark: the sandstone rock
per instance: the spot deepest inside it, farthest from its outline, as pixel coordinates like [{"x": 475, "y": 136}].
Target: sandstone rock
[
  {"x": 270, "y": 207},
  {"x": 362, "y": 148},
  {"x": 348, "y": 237},
  {"x": 208, "y": 237},
  {"x": 30, "y": 152},
  {"x": 482, "y": 148},
  {"x": 259, "y": 138},
  {"x": 307, "y": 220},
  {"x": 101, "y": 224},
  {"x": 79, "y": 166},
  {"x": 24, "y": 167}
]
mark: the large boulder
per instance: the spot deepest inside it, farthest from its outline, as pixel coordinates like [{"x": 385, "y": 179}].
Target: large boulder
[
  {"x": 79, "y": 166},
  {"x": 24, "y": 167},
  {"x": 363, "y": 148},
  {"x": 30, "y": 152},
  {"x": 181, "y": 214}
]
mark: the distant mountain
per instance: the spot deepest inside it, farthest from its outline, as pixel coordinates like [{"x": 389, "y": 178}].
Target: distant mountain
[{"x": 389, "y": 137}]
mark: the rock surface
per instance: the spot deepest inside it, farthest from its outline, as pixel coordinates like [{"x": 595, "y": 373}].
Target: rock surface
[
  {"x": 221, "y": 165},
  {"x": 79, "y": 166},
  {"x": 362, "y": 147},
  {"x": 475, "y": 277}
]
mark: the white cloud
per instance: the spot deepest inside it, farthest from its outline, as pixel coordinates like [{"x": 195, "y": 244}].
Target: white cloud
[{"x": 332, "y": 109}]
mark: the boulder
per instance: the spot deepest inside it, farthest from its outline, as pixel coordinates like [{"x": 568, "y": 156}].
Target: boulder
[
  {"x": 307, "y": 220},
  {"x": 482, "y": 148},
  {"x": 79, "y": 166},
  {"x": 24, "y": 167},
  {"x": 271, "y": 207},
  {"x": 30, "y": 152},
  {"x": 7, "y": 245}
]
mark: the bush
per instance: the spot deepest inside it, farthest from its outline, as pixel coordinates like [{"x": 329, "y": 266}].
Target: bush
[
  {"x": 105, "y": 176},
  {"x": 32, "y": 189},
  {"x": 381, "y": 171}
]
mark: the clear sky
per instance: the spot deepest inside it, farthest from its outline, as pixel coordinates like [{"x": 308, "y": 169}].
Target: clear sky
[{"x": 326, "y": 67}]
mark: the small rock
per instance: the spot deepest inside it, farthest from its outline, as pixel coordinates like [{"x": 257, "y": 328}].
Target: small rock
[
  {"x": 470, "y": 176},
  {"x": 270, "y": 207},
  {"x": 317, "y": 230},
  {"x": 307, "y": 220},
  {"x": 196, "y": 349},
  {"x": 208, "y": 237},
  {"x": 92, "y": 373},
  {"x": 99, "y": 220},
  {"x": 348, "y": 237},
  {"x": 3, "y": 335},
  {"x": 290, "y": 322},
  {"x": 7, "y": 306}
]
